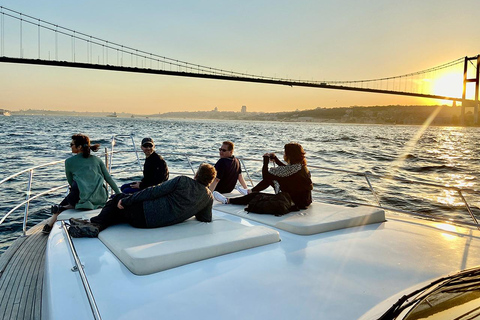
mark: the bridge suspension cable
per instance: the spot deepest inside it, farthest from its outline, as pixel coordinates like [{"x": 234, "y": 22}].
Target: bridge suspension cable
[{"x": 84, "y": 49}]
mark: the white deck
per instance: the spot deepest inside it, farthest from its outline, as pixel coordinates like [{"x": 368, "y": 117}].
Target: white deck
[{"x": 333, "y": 275}]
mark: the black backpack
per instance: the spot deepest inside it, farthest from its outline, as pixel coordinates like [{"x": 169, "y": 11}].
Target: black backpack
[{"x": 276, "y": 204}]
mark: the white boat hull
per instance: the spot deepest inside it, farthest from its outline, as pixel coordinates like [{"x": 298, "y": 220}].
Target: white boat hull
[{"x": 334, "y": 275}]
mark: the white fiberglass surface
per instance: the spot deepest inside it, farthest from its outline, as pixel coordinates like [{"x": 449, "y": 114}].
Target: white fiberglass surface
[
  {"x": 63, "y": 295},
  {"x": 334, "y": 275}
]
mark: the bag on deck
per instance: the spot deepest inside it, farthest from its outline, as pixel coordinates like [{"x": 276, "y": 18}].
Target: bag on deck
[{"x": 276, "y": 204}]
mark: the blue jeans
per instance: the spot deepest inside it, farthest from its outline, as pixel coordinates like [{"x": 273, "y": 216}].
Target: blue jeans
[{"x": 127, "y": 189}]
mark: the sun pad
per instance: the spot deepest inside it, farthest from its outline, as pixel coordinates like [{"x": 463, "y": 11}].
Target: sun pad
[
  {"x": 319, "y": 217},
  {"x": 146, "y": 251},
  {"x": 79, "y": 214}
]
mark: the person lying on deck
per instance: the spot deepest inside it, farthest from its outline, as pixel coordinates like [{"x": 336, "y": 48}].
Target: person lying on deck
[
  {"x": 86, "y": 174},
  {"x": 169, "y": 203},
  {"x": 292, "y": 178}
]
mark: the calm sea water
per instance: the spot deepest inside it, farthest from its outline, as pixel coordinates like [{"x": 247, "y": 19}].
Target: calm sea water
[{"x": 441, "y": 155}]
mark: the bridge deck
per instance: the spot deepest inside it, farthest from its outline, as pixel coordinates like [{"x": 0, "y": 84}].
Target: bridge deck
[{"x": 21, "y": 276}]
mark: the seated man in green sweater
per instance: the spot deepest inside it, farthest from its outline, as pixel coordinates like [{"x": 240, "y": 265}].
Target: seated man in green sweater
[{"x": 169, "y": 203}]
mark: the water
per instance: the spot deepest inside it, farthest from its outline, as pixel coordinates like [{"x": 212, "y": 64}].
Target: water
[{"x": 442, "y": 155}]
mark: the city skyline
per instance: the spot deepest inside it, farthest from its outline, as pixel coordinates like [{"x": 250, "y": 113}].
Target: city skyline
[{"x": 307, "y": 40}]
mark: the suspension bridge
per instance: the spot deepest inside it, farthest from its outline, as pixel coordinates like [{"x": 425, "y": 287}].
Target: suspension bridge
[{"x": 28, "y": 40}]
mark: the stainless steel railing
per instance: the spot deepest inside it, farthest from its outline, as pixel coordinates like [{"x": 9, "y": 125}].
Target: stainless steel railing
[
  {"x": 78, "y": 267},
  {"x": 28, "y": 193},
  {"x": 368, "y": 176}
]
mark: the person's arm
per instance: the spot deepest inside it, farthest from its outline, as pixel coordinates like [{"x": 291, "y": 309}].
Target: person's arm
[
  {"x": 214, "y": 183},
  {"x": 153, "y": 192},
  {"x": 266, "y": 175},
  {"x": 107, "y": 177},
  {"x": 242, "y": 181},
  {"x": 277, "y": 161},
  {"x": 68, "y": 172}
]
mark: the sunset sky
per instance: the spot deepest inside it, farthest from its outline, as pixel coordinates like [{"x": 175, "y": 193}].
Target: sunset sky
[{"x": 313, "y": 40}]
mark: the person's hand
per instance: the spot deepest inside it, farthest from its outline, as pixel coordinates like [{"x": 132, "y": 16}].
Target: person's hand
[
  {"x": 119, "y": 205},
  {"x": 135, "y": 185}
]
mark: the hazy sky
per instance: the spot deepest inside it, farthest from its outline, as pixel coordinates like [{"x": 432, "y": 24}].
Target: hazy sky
[{"x": 319, "y": 40}]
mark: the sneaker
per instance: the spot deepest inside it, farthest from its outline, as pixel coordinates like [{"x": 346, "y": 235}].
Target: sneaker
[
  {"x": 57, "y": 209},
  {"x": 242, "y": 191},
  {"x": 78, "y": 222},
  {"x": 84, "y": 231},
  {"x": 46, "y": 229},
  {"x": 219, "y": 197}
]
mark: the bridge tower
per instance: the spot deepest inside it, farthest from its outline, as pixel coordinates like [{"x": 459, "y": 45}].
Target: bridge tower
[{"x": 470, "y": 103}]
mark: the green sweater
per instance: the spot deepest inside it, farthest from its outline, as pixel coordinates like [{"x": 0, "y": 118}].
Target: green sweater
[{"x": 89, "y": 174}]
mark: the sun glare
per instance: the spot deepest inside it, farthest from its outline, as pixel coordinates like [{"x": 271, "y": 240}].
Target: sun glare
[{"x": 448, "y": 85}]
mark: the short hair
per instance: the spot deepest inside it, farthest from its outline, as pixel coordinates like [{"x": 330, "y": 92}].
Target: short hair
[
  {"x": 230, "y": 145},
  {"x": 295, "y": 154},
  {"x": 205, "y": 174}
]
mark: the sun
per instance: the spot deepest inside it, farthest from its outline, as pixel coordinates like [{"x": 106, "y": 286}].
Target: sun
[{"x": 448, "y": 85}]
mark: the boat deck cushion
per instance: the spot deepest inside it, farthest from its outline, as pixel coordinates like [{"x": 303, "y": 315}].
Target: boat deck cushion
[
  {"x": 79, "y": 214},
  {"x": 146, "y": 251},
  {"x": 319, "y": 217}
]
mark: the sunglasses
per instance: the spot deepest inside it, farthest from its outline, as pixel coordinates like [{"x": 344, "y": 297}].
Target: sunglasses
[
  {"x": 72, "y": 144},
  {"x": 222, "y": 150},
  {"x": 147, "y": 145}
]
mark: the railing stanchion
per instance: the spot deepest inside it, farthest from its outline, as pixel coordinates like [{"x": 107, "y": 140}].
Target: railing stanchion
[
  {"x": 468, "y": 208},
  {"x": 111, "y": 157},
  {"x": 27, "y": 203},
  {"x": 246, "y": 170},
  {"x": 188, "y": 159},
  {"x": 136, "y": 152},
  {"x": 106, "y": 157},
  {"x": 371, "y": 188},
  {"x": 106, "y": 165}
]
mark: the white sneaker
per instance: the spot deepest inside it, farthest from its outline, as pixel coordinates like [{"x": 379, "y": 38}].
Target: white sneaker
[
  {"x": 242, "y": 191},
  {"x": 219, "y": 197}
]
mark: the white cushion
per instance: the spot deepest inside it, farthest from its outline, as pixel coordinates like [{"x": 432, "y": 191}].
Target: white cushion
[
  {"x": 319, "y": 217},
  {"x": 145, "y": 251},
  {"x": 79, "y": 214}
]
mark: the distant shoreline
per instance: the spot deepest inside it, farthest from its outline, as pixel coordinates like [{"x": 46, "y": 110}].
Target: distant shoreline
[{"x": 401, "y": 115}]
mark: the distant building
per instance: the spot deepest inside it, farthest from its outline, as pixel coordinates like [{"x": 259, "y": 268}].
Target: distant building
[
  {"x": 244, "y": 109},
  {"x": 215, "y": 110}
]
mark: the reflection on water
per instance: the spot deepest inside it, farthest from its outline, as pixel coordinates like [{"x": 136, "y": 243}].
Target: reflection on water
[{"x": 441, "y": 155}]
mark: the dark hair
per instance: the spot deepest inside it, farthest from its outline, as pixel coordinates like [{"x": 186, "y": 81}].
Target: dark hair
[
  {"x": 205, "y": 174},
  {"x": 82, "y": 140},
  {"x": 295, "y": 154},
  {"x": 229, "y": 144}
]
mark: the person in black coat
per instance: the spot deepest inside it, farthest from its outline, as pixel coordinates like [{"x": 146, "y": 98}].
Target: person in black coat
[{"x": 155, "y": 169}]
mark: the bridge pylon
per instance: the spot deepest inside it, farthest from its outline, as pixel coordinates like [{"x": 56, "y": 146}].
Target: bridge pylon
[{"x": 470, "y": 103}]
